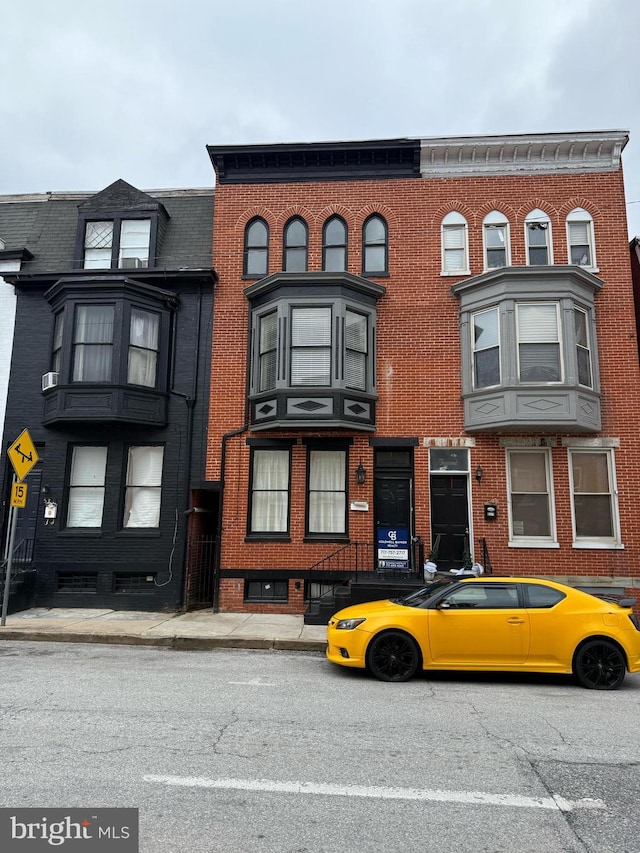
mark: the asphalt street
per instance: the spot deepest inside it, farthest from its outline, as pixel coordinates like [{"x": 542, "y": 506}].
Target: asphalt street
[{"x": 270, "y": 751}]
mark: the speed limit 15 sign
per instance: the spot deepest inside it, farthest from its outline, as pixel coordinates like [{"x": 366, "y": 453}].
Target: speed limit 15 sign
[{"x": 19, "y": 494}]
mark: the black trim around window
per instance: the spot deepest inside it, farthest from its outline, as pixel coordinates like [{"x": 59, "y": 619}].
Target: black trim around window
[
  {"x": 255, "y": 262},
  {"x": 375, "y": 245}
]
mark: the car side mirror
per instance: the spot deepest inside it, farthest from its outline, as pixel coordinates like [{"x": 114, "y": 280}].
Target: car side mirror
[{"x": 443, "y": 605}]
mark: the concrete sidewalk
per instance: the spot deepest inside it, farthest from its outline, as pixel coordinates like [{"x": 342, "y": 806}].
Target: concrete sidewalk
[{"x": 199, "y": 629}]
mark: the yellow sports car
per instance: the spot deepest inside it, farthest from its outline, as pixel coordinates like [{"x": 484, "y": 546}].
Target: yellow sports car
[{"x": 502, "y": 624}]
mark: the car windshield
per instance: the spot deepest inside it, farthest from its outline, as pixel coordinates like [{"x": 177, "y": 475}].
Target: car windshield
[{"x": 418, "y": 598}]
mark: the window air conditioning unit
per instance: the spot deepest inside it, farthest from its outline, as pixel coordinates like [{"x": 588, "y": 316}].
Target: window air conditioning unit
[
  {"x": 49, "y": 380},
  {"x": 137, "y": 263}
]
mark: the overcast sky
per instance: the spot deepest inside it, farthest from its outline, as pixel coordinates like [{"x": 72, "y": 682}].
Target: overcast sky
[{"x": 135, "y": 89}]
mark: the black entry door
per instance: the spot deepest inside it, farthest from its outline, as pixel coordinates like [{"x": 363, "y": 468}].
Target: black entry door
[
  {"x": 449, "y": 518},
  {"x": 393, "y": 518}
]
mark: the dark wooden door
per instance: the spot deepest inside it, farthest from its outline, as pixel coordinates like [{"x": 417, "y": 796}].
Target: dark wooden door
[
  {"x": 393, "y": 515},
  {"x": 449, "y": 518}
]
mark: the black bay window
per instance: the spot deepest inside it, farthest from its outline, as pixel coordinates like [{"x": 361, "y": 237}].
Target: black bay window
[{"x": 313, "y": 350}]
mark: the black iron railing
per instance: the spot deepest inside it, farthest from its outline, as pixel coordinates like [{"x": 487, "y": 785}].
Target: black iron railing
[
  {"x": 199, "y": 574},
  {"x": 485, "y": 559}
]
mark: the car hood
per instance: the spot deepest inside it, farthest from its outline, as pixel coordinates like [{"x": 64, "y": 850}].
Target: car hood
[{"x": 368, "y": 609}]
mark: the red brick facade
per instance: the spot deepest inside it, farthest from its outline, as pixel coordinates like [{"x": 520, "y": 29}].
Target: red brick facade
[{"x": 418, "y": 361}]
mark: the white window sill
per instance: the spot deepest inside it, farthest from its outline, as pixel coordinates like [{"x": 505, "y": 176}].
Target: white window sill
[
  {"x": 455, "y": 272},
  {"x": 532, "y": 543},
  {"x": 602, "y": 546}
]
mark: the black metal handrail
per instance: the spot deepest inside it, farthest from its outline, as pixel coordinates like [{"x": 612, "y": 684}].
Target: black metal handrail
[
  {"x": 22, "y": 556},
  {"x": 485, "y": 559}
]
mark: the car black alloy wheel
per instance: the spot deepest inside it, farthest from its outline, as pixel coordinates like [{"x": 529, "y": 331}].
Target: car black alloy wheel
[
  {"x": 393, "y": 656},
  {"x": 600, "y": 665}
]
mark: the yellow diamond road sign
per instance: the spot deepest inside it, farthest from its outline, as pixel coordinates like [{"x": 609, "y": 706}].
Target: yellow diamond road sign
[{"x": 22, "y": 454}]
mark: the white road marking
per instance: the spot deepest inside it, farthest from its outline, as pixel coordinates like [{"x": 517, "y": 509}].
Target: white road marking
[
  {"x": 255, "y": 682},
  {"x": 476, "y": 798}
]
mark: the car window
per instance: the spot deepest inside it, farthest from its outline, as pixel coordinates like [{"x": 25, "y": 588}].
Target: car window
[
  {"x": 542, "y": 596},
  {"x": 484, "y": 596}
]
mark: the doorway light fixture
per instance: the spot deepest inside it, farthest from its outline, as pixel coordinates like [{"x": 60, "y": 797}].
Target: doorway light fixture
[
  {"x": 478, "y": 473},
  {"x": 361, "y": 474}
]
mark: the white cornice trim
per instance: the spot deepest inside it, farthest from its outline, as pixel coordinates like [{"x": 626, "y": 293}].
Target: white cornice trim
[{"x": 523, "y": 154}]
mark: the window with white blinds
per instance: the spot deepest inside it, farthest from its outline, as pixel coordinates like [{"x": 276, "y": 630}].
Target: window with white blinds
[
  {"x": 538, "y": 343},
  {"x": 356, "y": 337},
  {"x": 134, "y": 243},
  {"x": 311, "y": 346},
  {"x": 267, "y": 357},
  {"x": 454, "y": 244},
  {"x": 143, "y": 487},
  {"x": 86, "y": 486}
]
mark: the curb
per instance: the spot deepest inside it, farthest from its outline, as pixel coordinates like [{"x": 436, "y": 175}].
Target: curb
[{"x": 175, "y": 643}]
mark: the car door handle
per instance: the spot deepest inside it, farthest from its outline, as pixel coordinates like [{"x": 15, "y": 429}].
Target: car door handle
[{"x": 515, "y": 620}]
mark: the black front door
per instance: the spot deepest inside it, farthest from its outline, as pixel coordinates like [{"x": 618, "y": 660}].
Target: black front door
[
  {"x": 393, "y": 511},
  {"x": 449, "y": 519},
  {"x": 28, "y": 518}
]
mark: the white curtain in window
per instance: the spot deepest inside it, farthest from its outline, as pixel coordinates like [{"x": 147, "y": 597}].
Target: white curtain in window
[
  {"x": 327, "y": 496},
  {"x": 143, "y": 348},
  {"x": 86, "y": 487},
  {"x": 270, "y": 497},
  {"x": 93, "y": 338},
  {"x": 143, "y": 490}
]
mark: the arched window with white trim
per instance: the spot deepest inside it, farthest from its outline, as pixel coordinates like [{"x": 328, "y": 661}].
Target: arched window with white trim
[
  {"x": 455, "y": 244},
  {"x": 580, "y": 240},
  {"x": 537, "y": 233},
  {"x": 495, "y": 233}
]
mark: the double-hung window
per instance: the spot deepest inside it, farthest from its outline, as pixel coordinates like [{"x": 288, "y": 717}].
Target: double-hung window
[
  {"x": 85, "y": 501},
  {"x": 93, "y": 343},
  {"x": 537, "y": 227},
  {"x": 455, "y": 248},
  {"x": 334, "y": 245},
  {"x": 583, "y": 347},
  {"x": 268, "y": 352},
  {"x": 143, "y": 487},
  {"x": 580, "y": 238},
  {"x": 374, "y": 246},
  {"x": 531, "y": 519},
  {"x": 538, "y": 342},
  {"x": 327, "y": 492},
  {"x": 112, "y": 243},
  {"x": 594, "y": 498},
  {"x": 296, "y": 236},
  {"x": 269, "y": 491},
  {"x": 143, "y": 348},
  {"x": 486, "y": 348},
  {"x": 495, "y": 230},
  {"x": 311, "y": 346},
  {"x": 256, "y": 248}
]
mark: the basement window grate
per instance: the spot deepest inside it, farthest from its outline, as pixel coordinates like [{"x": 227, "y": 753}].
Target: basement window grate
[
  {"x": 76, "y": 583},
  {"x": 127, "y": 582}
]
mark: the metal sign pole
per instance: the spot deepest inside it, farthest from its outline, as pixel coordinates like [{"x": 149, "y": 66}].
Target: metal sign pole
[{"x": 9, "y": 558}]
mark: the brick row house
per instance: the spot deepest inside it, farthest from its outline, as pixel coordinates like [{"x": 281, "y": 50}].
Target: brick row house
[
  {"x": 113, "y": 296},
  {"x": 423, "y": 345}
]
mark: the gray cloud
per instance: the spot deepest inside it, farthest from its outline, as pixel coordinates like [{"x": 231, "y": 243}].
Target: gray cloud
[{"x": 136, "y": 90}]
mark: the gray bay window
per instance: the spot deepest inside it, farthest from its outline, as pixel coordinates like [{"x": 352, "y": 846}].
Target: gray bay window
[{"x": 528, "y": 344}]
